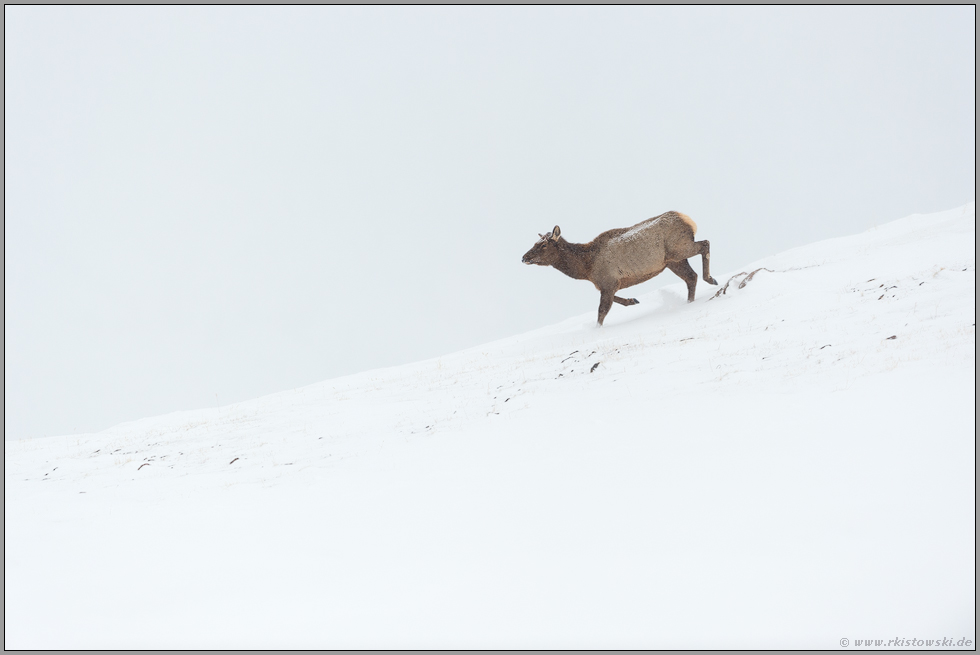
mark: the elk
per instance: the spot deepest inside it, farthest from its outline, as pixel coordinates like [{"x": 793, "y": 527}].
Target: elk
[{"x": 627, "y": 256}]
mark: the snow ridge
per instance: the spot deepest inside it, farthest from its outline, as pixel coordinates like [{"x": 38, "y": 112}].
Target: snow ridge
[{"x": 727, "y": 473}]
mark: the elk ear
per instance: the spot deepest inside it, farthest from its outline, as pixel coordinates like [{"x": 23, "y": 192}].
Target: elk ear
[{"x": 555, "y": 233}]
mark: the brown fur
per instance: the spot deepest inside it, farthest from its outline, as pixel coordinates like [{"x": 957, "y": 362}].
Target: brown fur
[{"x": 627, "y": 256}]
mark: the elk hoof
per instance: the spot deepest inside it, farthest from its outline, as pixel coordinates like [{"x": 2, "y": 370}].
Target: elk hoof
[
  {"x": 711, "y": 280},
  {"x": 634, "y": 301}
]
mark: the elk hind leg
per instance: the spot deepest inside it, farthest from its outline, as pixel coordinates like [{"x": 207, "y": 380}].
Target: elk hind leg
[
  {"x": 704, "y": 248},
  {"x": 626, "y": 301},
  {"x": 683, "y": 270}
]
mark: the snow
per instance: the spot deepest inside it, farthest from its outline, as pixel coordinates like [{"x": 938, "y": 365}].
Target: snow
[
  {"x": 782, "y": 465},
  {"x": 634, "y": 232}
]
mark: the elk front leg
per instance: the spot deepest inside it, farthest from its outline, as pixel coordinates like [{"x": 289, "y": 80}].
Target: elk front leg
[
  {"x": 626, "y": 301},
  {"x": 605, "y": 303}
]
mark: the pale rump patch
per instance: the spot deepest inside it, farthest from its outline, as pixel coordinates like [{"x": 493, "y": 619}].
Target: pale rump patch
[{"x": 690, "y": 221}]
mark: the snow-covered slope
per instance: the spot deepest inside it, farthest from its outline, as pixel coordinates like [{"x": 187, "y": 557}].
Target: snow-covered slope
[{"x": 785, "y": 464}]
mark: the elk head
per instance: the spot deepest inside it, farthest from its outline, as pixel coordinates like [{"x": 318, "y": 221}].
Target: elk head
[{"x": 545, "y": 251}]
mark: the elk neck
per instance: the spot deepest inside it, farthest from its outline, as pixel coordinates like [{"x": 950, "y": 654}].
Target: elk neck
[{"x": 575, "y": 259}]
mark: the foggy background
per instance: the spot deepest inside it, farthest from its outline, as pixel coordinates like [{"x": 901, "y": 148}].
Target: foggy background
[{"x": 205, "y": 205}]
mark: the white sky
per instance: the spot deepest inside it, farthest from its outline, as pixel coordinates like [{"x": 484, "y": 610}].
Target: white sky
[{"x": 204, "y": 205}]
